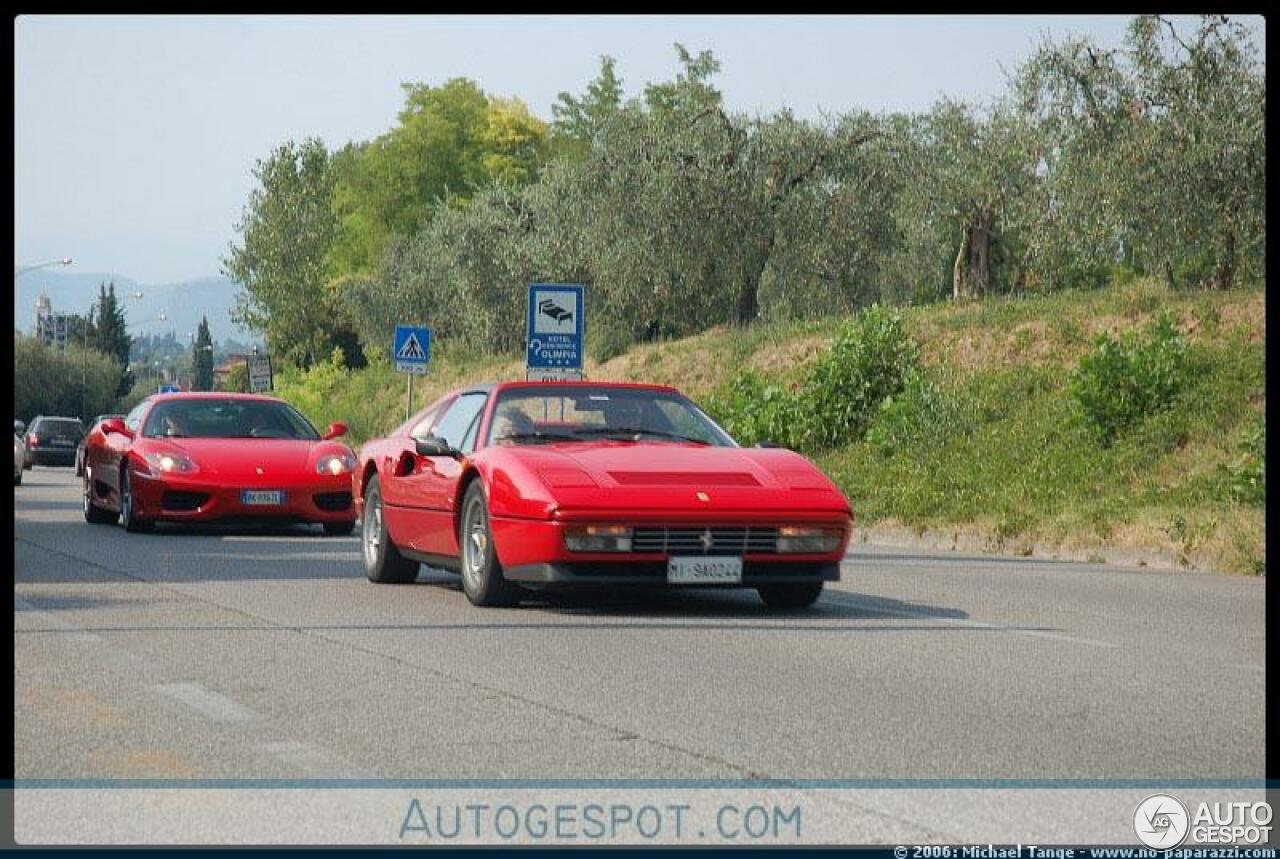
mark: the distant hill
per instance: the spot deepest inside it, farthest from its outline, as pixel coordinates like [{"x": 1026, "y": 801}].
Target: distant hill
[{"x": 182, "y": 303}]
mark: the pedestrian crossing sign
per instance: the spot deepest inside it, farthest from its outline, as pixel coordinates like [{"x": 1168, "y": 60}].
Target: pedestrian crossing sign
[{"x": 411, "y": 349}]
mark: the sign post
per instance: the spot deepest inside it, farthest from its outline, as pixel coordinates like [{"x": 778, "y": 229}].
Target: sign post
[
  {"x": 260, "y": 377},
  {"x": 554, "y": 328},
  {"x": 411, "y": 350}
]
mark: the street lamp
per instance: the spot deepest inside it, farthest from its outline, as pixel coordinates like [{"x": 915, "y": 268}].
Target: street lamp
[{"x": 25, "y": 269}]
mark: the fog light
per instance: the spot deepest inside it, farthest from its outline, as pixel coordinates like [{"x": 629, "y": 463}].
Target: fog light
[
  {"x": 816, "y": 541},
  {"x": 598, "y": 538}
]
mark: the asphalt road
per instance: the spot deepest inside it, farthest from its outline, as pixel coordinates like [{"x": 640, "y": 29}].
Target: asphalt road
[{"x": 266, "y": 654}]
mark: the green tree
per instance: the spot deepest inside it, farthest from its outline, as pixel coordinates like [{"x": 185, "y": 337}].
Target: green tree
[
  {"x": 287, "y": 230},
  {"x": 110, "y": 333},
  {"x": 202, "y": 358},
  {"x": 76, "y": 381}
]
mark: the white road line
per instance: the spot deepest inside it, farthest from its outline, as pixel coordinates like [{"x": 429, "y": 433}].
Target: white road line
[
  {"x": 53, "y": 621},
  {"x": 207, "y": 703},
  {"x": 971, "y": 624},
  {"x": 314, "y": 539},
  {"x": 292, "y": 556},
  {"x": 309, "y": 760}
]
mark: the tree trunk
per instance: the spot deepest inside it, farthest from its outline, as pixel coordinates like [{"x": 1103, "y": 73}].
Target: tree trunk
[
  {"x": 747, "y": 305},
  {"x": 972, "y": 274},
  {"x": 1168, "y": 275},
  {"x": 1225, "y": 275}
]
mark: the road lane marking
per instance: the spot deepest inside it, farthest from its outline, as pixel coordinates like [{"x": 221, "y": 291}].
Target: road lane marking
[
  {"x": 308, "y": 759},
  {"x": 36, "y": 613},
  {"x": 207, "y": 703},
  {"x": 842, "y": 599},
  {"x": 292, "y": 556}
]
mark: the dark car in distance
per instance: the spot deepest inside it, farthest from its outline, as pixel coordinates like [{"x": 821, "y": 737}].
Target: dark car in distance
[{"x": 52, "y": 440}]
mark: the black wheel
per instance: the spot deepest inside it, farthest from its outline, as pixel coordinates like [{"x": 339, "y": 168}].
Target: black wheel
[
  {"x": 17, "y": 479},
  {"x": 799, "y": 595},
  {"x": 482, "y": 579},
  {"x": 128, "y": 514},
  {"x": 79, "y": 465},
  {"x": 383, "y": 562},
  {"x": 94, "y": 514},
  {"x": 339, "y": 529}
]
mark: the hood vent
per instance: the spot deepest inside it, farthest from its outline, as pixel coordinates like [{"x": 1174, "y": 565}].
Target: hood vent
[{"x": 684, "y": 478}]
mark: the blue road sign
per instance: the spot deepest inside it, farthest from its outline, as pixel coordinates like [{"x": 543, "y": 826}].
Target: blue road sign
[
  {"x": 170, "y": 389},
  {"x": 554, "y": 327},
  {"x": 412, "y": 349}
]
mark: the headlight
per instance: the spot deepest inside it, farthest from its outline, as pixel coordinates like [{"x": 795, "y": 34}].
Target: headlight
[
  {"x": 166, "y": 461},
  {"x": 336, "y": 463},
  {"x": 598, "y": 538},
  {"x": 801, "y": 540}
]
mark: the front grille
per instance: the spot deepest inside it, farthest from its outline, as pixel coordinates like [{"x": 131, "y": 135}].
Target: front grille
[
  {"x": 174, "y": 500},
  {"x": 710, "y": 540},
  {"x": 334, "y": 502}
]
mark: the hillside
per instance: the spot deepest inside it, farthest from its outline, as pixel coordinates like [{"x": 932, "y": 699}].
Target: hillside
[
  {"x": 1011, "y": 467},
  {"x": 182, "y": 303}
]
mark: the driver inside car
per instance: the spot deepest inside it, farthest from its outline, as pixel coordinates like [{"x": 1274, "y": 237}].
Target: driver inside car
[{"x": 511, "y": 421}]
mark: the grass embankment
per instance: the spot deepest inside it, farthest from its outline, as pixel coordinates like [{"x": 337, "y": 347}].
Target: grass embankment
[{"x": 1009, "y": 458}]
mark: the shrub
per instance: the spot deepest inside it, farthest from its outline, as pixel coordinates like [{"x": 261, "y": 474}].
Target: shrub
[
  {"x": 609, "y": 339},
  {"x": 1126, "y": 379},
  {"x": 927, "y": 412},
  {"x": 1247, "y": 475},
  {"x": 870, "y": 361},
  {"x": 753, "y": 411}
]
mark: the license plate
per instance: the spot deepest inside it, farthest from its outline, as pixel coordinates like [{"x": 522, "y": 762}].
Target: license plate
[
  {"x": 62, "y": 442},
  {"x": 261, "y": 496},
  {"x": 704, "y": 571}
]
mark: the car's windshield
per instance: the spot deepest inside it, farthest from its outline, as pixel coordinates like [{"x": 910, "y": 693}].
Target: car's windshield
[
  {"x": 553, "y": 413},
  {"x": 230, "y": 418}
]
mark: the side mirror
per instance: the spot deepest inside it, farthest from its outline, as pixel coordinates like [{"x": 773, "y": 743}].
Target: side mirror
[
  {"x": 115, "y": 425},
  {"x": 335, "y": 429},
  {"x": 434, "y": 446}
]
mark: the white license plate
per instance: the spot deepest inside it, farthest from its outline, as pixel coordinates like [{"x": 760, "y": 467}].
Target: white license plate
[
  {"x": 261, "y": 496},
  {"x": 704, "y": 571},
  {"x": 62, "y": 442}
]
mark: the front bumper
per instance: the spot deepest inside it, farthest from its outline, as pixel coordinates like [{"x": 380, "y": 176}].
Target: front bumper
[
  {"x": 59, "y": 456},
  {"x": 534, "y": 551},
  {"x": 174, "y": 498},
  {"x": 655, "y": 572}
]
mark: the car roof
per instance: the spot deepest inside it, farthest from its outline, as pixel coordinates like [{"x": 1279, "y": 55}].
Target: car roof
[
  {"x": 591, "y": 383},
  {"x": 54, "y": 418},
  {"x": 212, "y": 395}
]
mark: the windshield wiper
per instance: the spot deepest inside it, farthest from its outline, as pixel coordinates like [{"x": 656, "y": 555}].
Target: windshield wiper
[
  {"x": 635, "y": 432},
  {"x": 537, "y": 436}
]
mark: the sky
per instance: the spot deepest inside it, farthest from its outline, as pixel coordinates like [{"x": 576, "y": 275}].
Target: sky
[{"x": 135, "y": 137}]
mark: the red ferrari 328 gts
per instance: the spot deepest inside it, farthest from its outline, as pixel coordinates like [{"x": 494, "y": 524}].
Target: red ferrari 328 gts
[
  {"x": 542, "y": 484},
  {"x": 196, "y": 457}
]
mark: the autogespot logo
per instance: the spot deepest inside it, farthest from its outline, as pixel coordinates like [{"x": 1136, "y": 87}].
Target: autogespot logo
[{"x": 1161, "y": 822}]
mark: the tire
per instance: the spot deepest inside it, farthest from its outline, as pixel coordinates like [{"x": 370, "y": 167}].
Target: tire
[
  {"x": 128, "y": 517},
  {"x": 482, "y": 579},
  {"x": 17, "y": 479},
  {"x": 93, "y": 514},
  {"x": 339, "y": 529},
  {"x": 799, "y": 595},
  {"x": 383, "y": 563},
  {"x": 79, "y": 466}
]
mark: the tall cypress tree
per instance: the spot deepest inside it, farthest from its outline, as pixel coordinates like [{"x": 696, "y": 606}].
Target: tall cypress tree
[
  {"x": 202, "y": 359},
  {"x": 112, "y": 335}
]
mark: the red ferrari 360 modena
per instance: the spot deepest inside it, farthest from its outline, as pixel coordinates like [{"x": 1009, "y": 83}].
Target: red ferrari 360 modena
[
  {"x": 543, "y": 484},
  {"x": 195, "y": 457}
]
